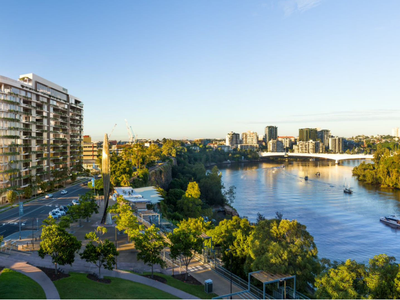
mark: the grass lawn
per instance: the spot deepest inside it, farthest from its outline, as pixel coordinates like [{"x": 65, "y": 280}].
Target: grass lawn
[
  {"x": 195, "y": 290},
  {"x": 78, "y": 286},
  {"x": 14, "y": 285}
]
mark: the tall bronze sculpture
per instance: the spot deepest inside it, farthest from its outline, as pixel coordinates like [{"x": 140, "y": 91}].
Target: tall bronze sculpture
[{"x": 105, "y": 172}]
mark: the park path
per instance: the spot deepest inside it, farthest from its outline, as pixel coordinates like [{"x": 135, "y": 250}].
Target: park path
[
  {"x": 34, "y": 273},
  {"x": 50, "y": 290}
]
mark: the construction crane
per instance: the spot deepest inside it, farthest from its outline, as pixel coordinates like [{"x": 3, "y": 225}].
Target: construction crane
[
  {"x": 132, "y": 138},
  {"x": 109, "y": 136}
]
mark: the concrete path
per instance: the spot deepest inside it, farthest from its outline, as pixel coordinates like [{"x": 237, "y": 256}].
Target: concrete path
[
  {"x": 79, "y": 265},
  {"x": 147, "y": 281},
  {"x": 34, "y": 273}
]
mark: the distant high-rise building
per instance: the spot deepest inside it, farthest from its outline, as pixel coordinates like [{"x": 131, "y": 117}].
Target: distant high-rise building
[
  {"x": 324, "y": 135},
  {"x": 308, "y": 147},
  {"x": 271, "y": 133},
  {"x": 336, "y": 144},
  {"x": 287, "y": 141},
  {"x": 396, "y": 132},
  {"x": 232, "y": 139},
  {"x": 249, "y": 138},
  {"x": 275, "y": 146},
  {"x": 306, "y": 134}
]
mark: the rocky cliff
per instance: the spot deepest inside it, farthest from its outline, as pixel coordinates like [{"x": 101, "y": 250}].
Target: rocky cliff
[{"x": 162, "y": 175}]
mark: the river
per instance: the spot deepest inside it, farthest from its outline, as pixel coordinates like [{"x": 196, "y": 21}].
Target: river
[{"x": 343, "y": 226}]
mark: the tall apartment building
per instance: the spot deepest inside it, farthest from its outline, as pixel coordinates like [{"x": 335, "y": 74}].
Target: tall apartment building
[
  {"x": 308, "y": 147},
  {"x": 396, "y": 132},
  {"x": 324, "y": 135},
  {"x": 232, "y": 139},
  {"x": 336, "y": 144},
  {"x": 41, "y": 132},
  {"x": 275, "y": 146},
  {"x": 271, "y": 133},
  {"x": 249, "y": 138},
  {"x": 306, "y": 134},
  {"x": 287, "y": 141},
  {"x": 90, "y": 151}
]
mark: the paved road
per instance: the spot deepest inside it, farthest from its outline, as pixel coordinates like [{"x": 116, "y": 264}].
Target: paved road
[{"x": 36, "y": 211}]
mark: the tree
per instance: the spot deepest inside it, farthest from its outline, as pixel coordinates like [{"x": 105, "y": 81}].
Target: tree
[
  {"x": 193, "y": 190},
  {"x": 230, "y": 195},
  {"x": 190, "y": 205},
  {"x": 184, "y": 242},
  {"x": 285, "y": 247},
  {"x": 27, "y": 192},
  {"x": 73, "y": 177},
  {"x": 150, "y": 244},
  {"x": 342, "y": 282},
  {"x": 11, "y": 196},
  {"x": 59, "y": 244},
  {"x": 382, "y": 272},
  {"x": 124, "y": 218},
  {"x": 99, "y": 252},
  {"x": 236, "y": 235},
  {"x": 211, "y": 188}
]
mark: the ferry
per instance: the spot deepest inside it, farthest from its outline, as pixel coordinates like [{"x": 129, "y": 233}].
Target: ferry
[{"x": 391, "y": 220}]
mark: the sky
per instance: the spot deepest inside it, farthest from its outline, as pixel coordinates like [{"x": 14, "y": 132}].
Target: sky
[{"x": 202, "y": 68}]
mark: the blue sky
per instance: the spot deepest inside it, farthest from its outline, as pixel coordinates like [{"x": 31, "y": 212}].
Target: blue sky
[{"x": 201, "y": 68}]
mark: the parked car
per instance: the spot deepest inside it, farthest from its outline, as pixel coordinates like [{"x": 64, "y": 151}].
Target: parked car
[
  {"x": 75, "y": 202},
  {"x": 54, "y": 215},
  {"x": 49, "y": 196},
  {"x": 64, "y": 208},
  {"x": 58, "y": 211},
  {"x": 63, "y": 192}
]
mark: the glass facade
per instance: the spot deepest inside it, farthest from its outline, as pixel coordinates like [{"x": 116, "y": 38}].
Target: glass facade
[{"x": 50, "y": 91}]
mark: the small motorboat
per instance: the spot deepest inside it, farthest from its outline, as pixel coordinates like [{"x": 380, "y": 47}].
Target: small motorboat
[
  {"x": 391, "y": 220},
  {"x": 318, "y": 174},
  {"x": 306, "y": 178},
  {"x": 347, "y": 191}
]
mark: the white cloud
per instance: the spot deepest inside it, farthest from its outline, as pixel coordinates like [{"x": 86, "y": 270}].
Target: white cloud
[{"x": 292, "y": 6}]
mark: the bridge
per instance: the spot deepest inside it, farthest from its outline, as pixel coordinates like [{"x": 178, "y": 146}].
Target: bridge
[{"x": 336, "y": 157}]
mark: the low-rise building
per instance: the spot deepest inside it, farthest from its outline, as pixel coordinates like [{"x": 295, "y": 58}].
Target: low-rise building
[{"x": 253, "y": 147}]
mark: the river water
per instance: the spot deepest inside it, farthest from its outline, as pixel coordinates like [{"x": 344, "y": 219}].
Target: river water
[{"x": 344, "y": 226}]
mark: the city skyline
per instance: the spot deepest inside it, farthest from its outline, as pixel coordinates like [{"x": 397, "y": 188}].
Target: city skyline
[{"x": 202, "y": 69}]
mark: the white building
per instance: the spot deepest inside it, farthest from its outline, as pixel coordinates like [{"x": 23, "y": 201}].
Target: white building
[
  {"x": 249, "y": 138},
  {"x": 336, "y": 144},
  {"x": 396, "y": 132},
  {"x": 232, "y": 140},
  {"x": 275, "y": 146}
]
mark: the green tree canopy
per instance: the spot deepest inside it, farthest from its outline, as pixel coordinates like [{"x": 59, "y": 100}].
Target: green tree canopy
[
  {"x": 285, "y": 247},
  {"x": 184, "y": 243},
  {"x": 59, "y": 244},
  {"x": 150, "y": 243},
  {"x": 236, "y": 235},
  {"x": 124, "y": 218},
  {"x": 102, "y": 253},
  {"x": 11, "y": 196}
]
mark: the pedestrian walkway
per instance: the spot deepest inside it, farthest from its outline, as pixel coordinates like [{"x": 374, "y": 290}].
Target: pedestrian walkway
[
  {"x": 14, "y": 262},
  {"x": 34, "y": 273}
]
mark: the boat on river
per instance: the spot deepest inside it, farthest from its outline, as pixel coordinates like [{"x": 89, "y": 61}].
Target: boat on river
[
  {"x": 347, "y": 191},
  {"x": 306, "y": 178},
  {"x": 391, "y": 220}
]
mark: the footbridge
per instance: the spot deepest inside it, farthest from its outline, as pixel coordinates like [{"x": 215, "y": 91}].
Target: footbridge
[{"x": 336, "y": 157}]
